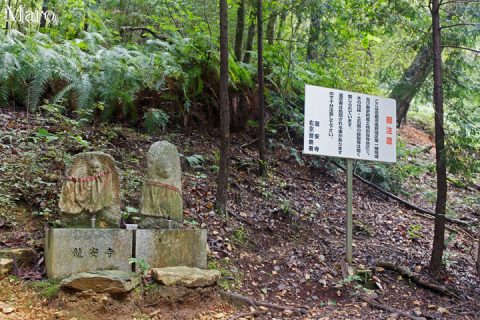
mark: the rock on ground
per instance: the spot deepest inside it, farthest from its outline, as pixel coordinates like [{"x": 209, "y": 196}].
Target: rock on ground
[
  {"x": 24, "y": 256},
  {"x": 105, "y": 281},
  {"x": 6, "y": 266},
  {"x": 185, "y": 276}
]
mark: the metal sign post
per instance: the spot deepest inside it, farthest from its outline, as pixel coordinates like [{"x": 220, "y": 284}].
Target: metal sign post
[
  {"x": 349, "y": 125},
  {"x": 349, "y": 226}
]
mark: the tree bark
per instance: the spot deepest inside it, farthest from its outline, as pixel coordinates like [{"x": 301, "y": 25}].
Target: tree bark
[
  {"x": 281, "y": 25},
  {"x": 43, "y": 21},
  {"x": 441, "y": 163},
  {"x": 411, "y": 81},
  {"x": 272, "y": 20},
  {"x": 240, "y": 30},
  {"x": 250, "y": 37},
  {"x": 478, "y": 258},
  {"x": 222, "y": 183},
  {"x": 313, "y": 35},
  {"x": 261, "y": 88}
]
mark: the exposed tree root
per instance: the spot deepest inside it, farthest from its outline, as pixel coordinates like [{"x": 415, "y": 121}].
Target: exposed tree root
[
  {"x": 402, "y": 201},
  {"x": 415, "y": 277},
  {"x": 240, "y": 299},
  {"x": 389, "y": 309}
]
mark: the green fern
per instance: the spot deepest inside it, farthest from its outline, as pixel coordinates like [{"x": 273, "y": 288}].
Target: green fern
[{"x": 155, "y": 120}]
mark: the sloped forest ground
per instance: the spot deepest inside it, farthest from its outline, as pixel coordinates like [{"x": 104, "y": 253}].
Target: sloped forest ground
[{"x": 283, "y": 241}]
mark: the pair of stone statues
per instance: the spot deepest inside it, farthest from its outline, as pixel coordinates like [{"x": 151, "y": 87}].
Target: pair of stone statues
[{"x": 92, "y": 187}]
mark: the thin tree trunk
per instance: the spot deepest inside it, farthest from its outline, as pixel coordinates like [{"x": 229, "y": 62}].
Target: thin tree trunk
[
  {"x": 7, "y": 17},
  {"x": 240, "y": 30},
  {"x": 272, "y": 20},
  {"x": 313, "y": 35},
  {"x": 412, "y": 80},
  {"x": 281, "y": 25},
  {"x": 478, "y": 258},
  {"x": 441, "y": 163},
  {"x": 261, "y": 86},
  {"x": 43, "y": 21},
  {"x": 249, "y": 44},
  {"x": 222, "y": 183}
]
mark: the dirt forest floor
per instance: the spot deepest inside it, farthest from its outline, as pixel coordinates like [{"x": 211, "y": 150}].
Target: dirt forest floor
[{"x": 282, "y": 243}]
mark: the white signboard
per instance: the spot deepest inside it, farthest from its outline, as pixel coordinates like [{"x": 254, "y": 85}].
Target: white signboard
[{"x": 349, "y": 125}]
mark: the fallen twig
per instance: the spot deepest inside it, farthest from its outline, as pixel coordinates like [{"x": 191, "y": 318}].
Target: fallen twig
[
  {"x": 248, "y": 143},
  {"x": 402, "y": 201},
  {"x": 389, "y": 309},
  {"x": 415, "y": 277},
  {"x": 235, "y": 297},
  {"x": 153, "y": 33}
]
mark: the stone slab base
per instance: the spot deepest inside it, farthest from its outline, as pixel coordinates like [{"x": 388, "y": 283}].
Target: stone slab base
[
  {"x": 71, "y": 251},
  {"x": 172, "y": 248}
]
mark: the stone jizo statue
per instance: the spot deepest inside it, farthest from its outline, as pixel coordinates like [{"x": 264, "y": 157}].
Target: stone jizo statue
[
  {"x": 91, "y": 186},
  {"x": 162, "y": 188}
]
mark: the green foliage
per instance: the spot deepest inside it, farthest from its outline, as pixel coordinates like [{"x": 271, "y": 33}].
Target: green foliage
[
  {"x": 195, "y": 160},
  {"x": 155, "y": 120},
  {"x": 141, "y": 264},
  {"x": 48, "y": 289},
  {"x": 414, "y": 231},
  {"x": 229, "y": 280},
  {"x": 239, "y": 236}
]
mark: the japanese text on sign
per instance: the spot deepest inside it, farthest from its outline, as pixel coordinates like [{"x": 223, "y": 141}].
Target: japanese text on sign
[{"x": 349, "y": 125}]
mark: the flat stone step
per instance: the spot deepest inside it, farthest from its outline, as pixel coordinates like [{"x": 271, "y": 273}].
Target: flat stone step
[
  {"x": 104, "y": 281},
  {"x": 185, "y": 276}
]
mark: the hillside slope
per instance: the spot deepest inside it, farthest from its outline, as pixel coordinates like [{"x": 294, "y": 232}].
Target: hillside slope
[{"x": 284, "y": 238}]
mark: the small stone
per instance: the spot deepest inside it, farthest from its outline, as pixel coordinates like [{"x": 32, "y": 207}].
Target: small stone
[
  {"x": 287, "y": 312},
  {"x": 263, "y": 308},
  {"x": 220, "y": 315},
  {"x": 8, "y": 310},
  {"x": 379, "y": 269},
  {"x": 24, "y": 256},
  {"x": 442, "y": 310},
  {"x": 186, "y": 277},
  {"x": 6, "y": 266},
  {"x": 106, "y": 281}
]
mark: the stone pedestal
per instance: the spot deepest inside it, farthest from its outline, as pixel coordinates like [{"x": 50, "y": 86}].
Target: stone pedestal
[
  {"x": 172, "y": 248},
  {"x": 70, "y": 251}
]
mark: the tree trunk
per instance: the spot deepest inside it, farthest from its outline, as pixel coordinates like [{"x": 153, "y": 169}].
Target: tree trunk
[
  {"x": 411, "y": 81},
  {"x": 281, "y": 25},
  {"x": 240, "y": 30},
  {"x": 478, "y": 258},
  {"x": 313, "y": 35},
  {"x": 43, "y": 21},
  {"x": 271, "y": 28},
  {"x": 249, "y": 44},
  {"x": 7, "y": 17},
  {"x": 222, "y": 183},
  {"x": 441, "y": 163},
  {"x": 261, "y": 86}
]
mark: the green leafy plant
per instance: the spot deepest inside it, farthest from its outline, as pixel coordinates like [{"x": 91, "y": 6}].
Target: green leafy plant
[
  {"x": 48, "y": 289},
  {"x": 155, "y": 120},
  {"x": 195, "y": 160},
  {"x": 414, "y": 231},
  {"x": 142, "y": 265}
]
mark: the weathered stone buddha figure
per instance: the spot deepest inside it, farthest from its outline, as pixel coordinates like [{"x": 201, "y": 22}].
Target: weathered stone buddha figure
[
  {"x": 91, "y": 186},
  {"x": 162, "y": 188}
]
